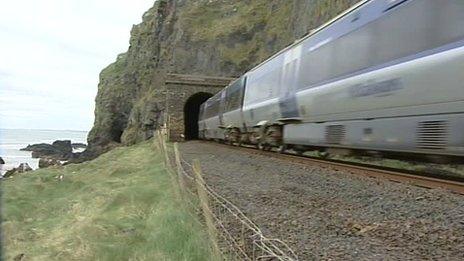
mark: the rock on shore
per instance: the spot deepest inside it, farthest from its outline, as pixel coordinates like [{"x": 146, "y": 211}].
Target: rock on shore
[
  {"x": 22, "y": 168},
  {"x": 60, "y": 150},
  {"x": 63, "y": 145},
  {"x": 2, "y": 161},
  {"x": 47, "y": 162},
  {"x": 58, "y": 153}
]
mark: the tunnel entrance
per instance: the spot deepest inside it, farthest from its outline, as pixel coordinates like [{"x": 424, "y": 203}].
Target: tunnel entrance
[
  {"x": 192, "y": 113},
  {"x": 184, "y": 95}
]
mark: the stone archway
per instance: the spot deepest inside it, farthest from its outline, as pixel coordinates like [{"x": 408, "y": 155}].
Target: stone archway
[
  {"x": 191, "y": 114},
  {"x": 184, "y": 95}
]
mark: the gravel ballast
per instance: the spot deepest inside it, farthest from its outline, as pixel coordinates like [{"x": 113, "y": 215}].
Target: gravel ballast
[{"x": 327, "y": 214}]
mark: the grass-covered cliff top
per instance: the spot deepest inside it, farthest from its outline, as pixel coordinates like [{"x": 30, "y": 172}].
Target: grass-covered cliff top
[{"x": 118, "y": 207}]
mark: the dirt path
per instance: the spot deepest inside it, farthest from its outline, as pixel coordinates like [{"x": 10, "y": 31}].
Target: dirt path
[{"x": 325, "y": 214}]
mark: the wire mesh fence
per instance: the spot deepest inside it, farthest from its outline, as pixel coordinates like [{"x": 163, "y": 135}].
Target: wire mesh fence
[{"x": 234, "y": 236}]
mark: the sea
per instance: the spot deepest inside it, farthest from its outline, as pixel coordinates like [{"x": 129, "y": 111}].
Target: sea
[{"x": 11, "y": 141}]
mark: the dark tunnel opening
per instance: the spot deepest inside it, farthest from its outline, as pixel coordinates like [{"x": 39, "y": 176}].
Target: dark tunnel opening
[{"x": 192, "y": 113}]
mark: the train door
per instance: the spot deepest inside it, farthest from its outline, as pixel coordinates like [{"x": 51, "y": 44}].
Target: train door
[
  {"x": 287, "y": 98},
  {"x": 242, "y": 99},
  {"x": 222, "y": 103}
]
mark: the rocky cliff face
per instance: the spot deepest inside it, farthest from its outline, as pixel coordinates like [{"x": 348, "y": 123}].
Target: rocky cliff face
[{"x": 207, "y": 37}]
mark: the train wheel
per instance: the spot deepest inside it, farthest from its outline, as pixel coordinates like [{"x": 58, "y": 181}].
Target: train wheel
[
  {"x": 282, "y": 148},
  {"x": 243, "y": 139},
  {"x": 264, "y": 147},
  {"x": 299, "y": 151},
  {"x": 236, "y": 137}
]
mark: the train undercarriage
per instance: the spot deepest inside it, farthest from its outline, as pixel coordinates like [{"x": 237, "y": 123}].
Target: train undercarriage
[{"x": 271, "y": 138}]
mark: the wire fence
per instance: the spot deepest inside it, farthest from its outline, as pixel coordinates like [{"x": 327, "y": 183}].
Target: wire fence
[{"x": 234, "y": 236}]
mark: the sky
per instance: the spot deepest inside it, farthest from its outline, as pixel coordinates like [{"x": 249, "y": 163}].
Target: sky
[{"x": 51, "y": 54}]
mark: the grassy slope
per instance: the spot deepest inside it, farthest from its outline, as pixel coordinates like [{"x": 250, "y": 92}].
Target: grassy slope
[{"x": 118, "y": 207}]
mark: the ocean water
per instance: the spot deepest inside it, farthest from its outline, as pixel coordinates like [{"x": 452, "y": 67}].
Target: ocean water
[{"x": 11, "y": 141}]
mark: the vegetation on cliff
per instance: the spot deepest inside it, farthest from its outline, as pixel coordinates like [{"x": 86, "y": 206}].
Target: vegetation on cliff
[
  {"x": 120, "y": 206},
  {"x": 207, "y": 37}
]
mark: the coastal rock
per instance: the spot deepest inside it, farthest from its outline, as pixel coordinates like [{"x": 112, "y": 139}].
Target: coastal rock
[
  {"x": 60, "y": 150},
  {"x": 89, "y": 154},
  {"x": 22, "y": 168},
  {"x": 63, "y": 145},
  {"x": 48, "y": 162},
  {"x": 2, "y": 161},
  {"x": 10, "y": 173},
  {"x": 215, "y": 38},
  {"x": 46, "y": 152},
  {"x": 40, "y": 146}
]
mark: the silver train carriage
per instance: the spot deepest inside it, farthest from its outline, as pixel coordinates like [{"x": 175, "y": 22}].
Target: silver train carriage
[{"x": 384, "y": 76}]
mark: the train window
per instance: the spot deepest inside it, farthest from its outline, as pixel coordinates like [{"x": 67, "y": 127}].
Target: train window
[
  {"x": 234, "y": 95},
  {"x": 317, "y": 66},
  {"x": 213, "y": 109},
  {"x": 202, "y": 109},
  {"x": 264, "y": 87},
  {"x": 415, "y": 27},
  {"x": 212, "y": 106},
  {"x": 345, "y": 55},
  {"x": 207, "y": 113},
  {"x": 215, "y": 106}
]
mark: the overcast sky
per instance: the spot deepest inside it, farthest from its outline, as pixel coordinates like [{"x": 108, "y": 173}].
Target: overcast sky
[{"x": 51, "y": 53}]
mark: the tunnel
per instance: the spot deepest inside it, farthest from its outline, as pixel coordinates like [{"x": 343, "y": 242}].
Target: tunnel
[{"x": 191, "y": 113}]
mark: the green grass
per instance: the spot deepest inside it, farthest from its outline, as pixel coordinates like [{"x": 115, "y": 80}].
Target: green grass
[{"x": 120, "y": 206}]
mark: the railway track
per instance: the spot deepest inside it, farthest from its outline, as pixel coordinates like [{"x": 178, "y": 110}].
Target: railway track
[{"x": 368, "y": 170}]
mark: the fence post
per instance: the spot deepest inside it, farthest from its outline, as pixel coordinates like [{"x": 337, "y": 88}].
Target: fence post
[
  {"x": 179, "y": 169},
  {"x": 167, "y": 165},
  {"x": 156, "y": 140},
  {"x": 207, "y": 213},
  {"x": 168, "y": 129},
  {"x": 165, "y": 150}
]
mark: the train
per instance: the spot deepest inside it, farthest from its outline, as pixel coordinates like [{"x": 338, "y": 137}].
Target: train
[{"x": 386, "y": 76}]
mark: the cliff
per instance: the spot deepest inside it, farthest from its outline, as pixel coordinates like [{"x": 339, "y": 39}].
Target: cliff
[{"x": 207, "y": 37}]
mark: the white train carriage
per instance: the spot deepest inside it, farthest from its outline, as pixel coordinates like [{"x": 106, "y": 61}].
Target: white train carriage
[
  {"x": 210, "y": 119},
  {"x": 386, "y": 75},
  {"x": 232, "y": 118},
  {"x": 201, "y": 122},
  {"x": 405, "y": 94}
]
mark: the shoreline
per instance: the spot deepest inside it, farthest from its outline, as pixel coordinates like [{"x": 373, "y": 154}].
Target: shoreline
[{"x": 13, "y": 140}]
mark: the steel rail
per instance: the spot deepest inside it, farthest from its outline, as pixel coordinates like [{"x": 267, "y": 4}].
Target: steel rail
[{"x": 367, "y": 170}]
